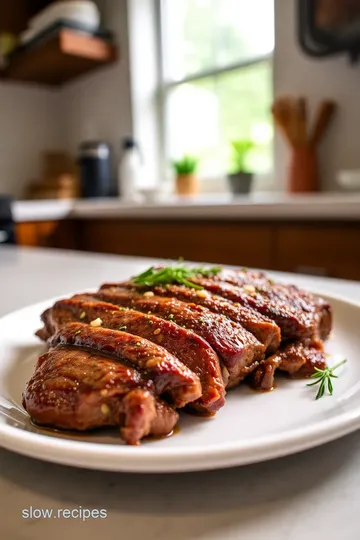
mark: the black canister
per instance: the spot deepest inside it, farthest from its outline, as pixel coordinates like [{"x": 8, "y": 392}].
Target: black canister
[
  {"x": 95, "y": 169},
  {"x": 7, "y": 227}
]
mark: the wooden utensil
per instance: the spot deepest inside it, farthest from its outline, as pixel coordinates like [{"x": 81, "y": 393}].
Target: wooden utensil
[
  {"x": 290, "y": 116},
  {"x": 324, "y": 116},
  {"x": 302, "y": 112}
]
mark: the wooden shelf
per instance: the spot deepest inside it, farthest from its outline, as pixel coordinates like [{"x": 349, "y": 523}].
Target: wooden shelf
[{"x": 60, "y": 58}]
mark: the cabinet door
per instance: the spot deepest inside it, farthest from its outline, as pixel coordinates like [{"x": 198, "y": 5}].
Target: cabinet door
[
  {"x": 35, "y": 233},
  {"x": 223, "y": 242},
  {"x": 320, "y": 249}
]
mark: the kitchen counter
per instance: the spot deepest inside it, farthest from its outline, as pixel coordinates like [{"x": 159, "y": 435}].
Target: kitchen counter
[
  {"x": 311, "y": 495},
  {"x": 332, "y": 206}
]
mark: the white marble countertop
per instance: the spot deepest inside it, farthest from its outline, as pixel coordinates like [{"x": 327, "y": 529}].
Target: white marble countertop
[
  {"x": 322, "y": 206},
  {"x": 312, "y": 495}
]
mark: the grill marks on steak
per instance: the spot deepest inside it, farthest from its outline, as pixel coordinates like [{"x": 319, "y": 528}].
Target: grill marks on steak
[
  {"x": 297, "y": 359},
  {"x": 189, "y": 349},
  {"x": 237, "y": 348},
  {"x": 169, "y": 375},
  {"x": 263, "y": 328},
  {"x": 294, "y": 322},
  {"x": 78, "y": 389},
  {"x": 316, "y": 310}
]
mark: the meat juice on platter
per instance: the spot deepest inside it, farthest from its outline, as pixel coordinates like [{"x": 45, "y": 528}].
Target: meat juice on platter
[{"x": 132, "y": 354}]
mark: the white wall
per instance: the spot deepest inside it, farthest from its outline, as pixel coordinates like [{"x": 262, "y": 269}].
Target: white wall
[
  {"x": 98, "y": 106},
  {"x": 29, "y": 124},
  {"x": 296, "y": 74}
]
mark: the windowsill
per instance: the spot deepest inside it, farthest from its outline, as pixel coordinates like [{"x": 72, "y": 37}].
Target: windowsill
[{"x": 261, "y": 183}]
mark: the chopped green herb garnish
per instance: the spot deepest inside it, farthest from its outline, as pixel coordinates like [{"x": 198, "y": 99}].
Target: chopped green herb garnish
[
  {"x": 77, "y": 332},
  {"x": 122, "y": 328},
  {"x": 323, "y": 377},
  {"x": 202, "y": 320},
  {"x": 174, "y": 274},
  {"x": 171, "y": 316}
]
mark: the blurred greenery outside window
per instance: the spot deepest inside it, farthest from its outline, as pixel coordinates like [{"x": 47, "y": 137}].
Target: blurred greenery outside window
[{"x": 217, "y": 80}]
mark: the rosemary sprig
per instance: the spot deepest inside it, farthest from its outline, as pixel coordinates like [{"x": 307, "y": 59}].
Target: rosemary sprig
[
  {"x": 174, "y": 274},
  {"x": 323, "y": 378}
]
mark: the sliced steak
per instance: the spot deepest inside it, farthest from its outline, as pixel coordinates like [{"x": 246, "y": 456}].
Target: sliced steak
[
  {"x": 315, "y": 307},
  {"x": 296, "y": 359},
  {"x": 294, "y": 322},
  {"x": 169, "y": 375},
  {"x": 263, "y": 328},
  {"x": 237, "y": 348},
  {"x": 240, "y": 276},
  {"x": 80, "y": 390},
  {"x": 319, "y": 306},
  {"x": 186, "y": 346}
]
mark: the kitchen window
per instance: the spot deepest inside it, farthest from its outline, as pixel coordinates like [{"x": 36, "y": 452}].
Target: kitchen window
[{"x": 216, "y": 80}]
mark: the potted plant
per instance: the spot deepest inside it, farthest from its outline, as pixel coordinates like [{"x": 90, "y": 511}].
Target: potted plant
[
  {"x": 186, "y": 181},
  {"x": 240, "y": 178}
]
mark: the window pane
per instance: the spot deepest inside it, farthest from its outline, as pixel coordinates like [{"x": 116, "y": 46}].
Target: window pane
[
  {"x": 207, "y": 34},
  {"x": 204, "y": 116}
]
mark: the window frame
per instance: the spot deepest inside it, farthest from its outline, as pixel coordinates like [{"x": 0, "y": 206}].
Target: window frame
[{"x": 165, "y": 86}]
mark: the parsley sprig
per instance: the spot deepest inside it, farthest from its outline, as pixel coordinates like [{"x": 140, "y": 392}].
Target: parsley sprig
[
  {"x": 323, "y": 378},
  {"x": 180, "y": 274}
]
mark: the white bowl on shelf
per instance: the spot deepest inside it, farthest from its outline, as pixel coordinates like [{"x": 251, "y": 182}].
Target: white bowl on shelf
[
  {"x": 84, "y": 12},
  {"x": 349, "y": 180}
]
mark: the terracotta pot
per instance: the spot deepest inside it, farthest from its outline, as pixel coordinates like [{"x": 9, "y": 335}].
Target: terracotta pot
[
  {"x": 303, "y": 170},
  {"x": 187, "y": 184}
]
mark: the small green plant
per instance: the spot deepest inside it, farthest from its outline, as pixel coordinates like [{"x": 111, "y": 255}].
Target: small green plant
[
  {"x": 240, "y": 151},
  {"x": 186, "y": 165}
]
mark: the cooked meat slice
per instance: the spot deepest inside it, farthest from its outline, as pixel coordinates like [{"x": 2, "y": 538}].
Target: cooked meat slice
[
  {"x": 42, "y": 333},
  {"x": 169, "y": 375},
  {"x": 77, "y": 389},
  {"x": 237, "y": 348},
  {"x": 186, "y": 346},
  {"x": 304, "y": 301},
  {"x": 240, "y": 276},
  {"x": 293, "y": 322},
  {"x": 296, "y": 359},
  {"x": 53, "y": 320},
  {"x": 320, "y": 307},
  {"x": 263, "y": 328}
]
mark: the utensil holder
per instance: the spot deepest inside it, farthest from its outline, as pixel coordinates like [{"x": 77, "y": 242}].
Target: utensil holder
[{"x": 303, "y": 174}]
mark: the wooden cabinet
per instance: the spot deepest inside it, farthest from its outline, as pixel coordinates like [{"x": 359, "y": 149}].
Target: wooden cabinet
[
  {"x": 224, "y": 242},
  {"x": 35, "y": 234},
  {"x": 59, "y": 234},
  {"x": 319, "y": 248},
  {"x": 328, "y": 249}
]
